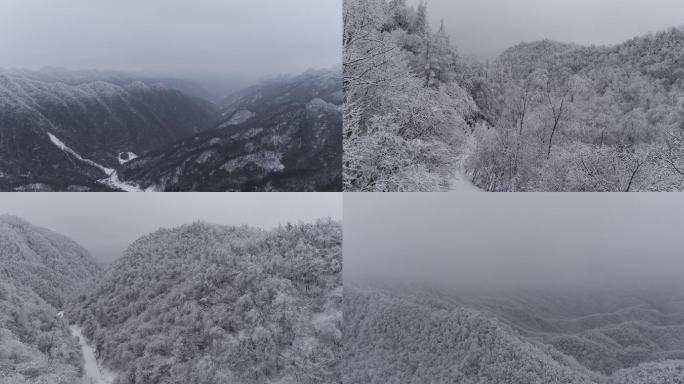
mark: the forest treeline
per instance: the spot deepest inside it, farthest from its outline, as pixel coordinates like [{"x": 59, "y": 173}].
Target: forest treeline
[{"x": 543, "y": 116}]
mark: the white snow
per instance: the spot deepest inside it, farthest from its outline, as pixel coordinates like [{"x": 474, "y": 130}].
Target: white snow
[
  {"x": 73, "y": 153},
  {"x": 112, "y": 179},
  {"x": 114, "y": 182},
  {"x": 94, "y": 373},
  {"x": 131, "y": 156},
  {"x": 238, "y": 118},
  {"x": 267, "y": 160},
  {"x": 460, "y": 183}
]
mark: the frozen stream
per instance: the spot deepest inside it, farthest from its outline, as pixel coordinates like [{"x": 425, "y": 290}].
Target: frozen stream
[
  {"x": 94, "y": 374},
  {"x": 112, "y": 179}
]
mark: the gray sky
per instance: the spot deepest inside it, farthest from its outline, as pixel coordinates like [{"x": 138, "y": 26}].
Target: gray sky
[
  {"x": 487, "y": 27},
  {"x": 106, "y": 223},
  {"x": 500, "y": 239},
  {"x": 172, "y": 37}
]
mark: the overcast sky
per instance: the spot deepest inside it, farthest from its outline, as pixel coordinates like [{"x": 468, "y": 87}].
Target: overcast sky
[
  {"x": 106, "y": 223},
  {"x": 536, "y": 238},
  {"x": 172, "y": 37},
  {"x": 488, "y": 27}
]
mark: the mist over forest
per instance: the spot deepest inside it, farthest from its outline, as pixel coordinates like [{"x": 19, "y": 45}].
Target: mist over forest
[
  {"x": 515, "y": 288},
  {"x": 537, "y": 239}
]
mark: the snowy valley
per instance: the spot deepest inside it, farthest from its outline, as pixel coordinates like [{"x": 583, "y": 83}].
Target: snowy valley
[
  {"x": 93, "y": 131},
  {"x": 200, "y": 303}
]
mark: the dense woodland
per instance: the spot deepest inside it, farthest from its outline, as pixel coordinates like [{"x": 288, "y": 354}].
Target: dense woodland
[
  {"x": 543, "y": 116},
  {"x": 39, "y": 270},
  {"x": 204, "y": 304},
  {"x": 198, "y": 304},
  {"x": 418, "y": 334}
]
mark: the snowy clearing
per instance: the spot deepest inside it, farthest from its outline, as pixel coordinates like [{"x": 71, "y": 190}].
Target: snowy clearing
[
  {"x": 125, "y": 157},
  {"x": 238, "y": 118},
  {"x": 94, "y": 373}
]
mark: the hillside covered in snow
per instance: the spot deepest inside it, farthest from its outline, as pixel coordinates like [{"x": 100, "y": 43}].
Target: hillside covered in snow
[
  {"x": 418, "y": 334},
  {"x": 213, "y": 304},
  {"x": 542, "y": 116},
  {"x": 66, "y": 130},
  {"x": 279, "y": 135},
  {"x": 39, "y": 272}
]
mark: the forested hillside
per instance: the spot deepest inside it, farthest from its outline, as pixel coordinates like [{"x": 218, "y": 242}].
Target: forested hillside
[
  {"x": 39, "y": 271},
  {"x": 544, "y": 116},
  {"x": 599, "y": 336},
  {"x": 405, "y": 113},
  {"x": 389, "y": 338},
  {"x": 211, "y": 304},
  {"x": 279, "y": 135},
  {"x": 573, "y": 118}
]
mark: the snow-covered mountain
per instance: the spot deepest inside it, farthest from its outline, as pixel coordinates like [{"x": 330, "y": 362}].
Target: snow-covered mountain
[
  {"x": 48, "y": 263},
  {"x": 94, "y": 130},
  {"x": 213, "y": 304},
  {"x": 280, "y": 135},
  {"x": 98, "y": 120},
  {"x": 410, "y": 335}
]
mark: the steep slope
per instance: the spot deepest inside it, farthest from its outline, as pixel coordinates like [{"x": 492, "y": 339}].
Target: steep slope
[
  {"x": 409, "y": 101},
  {"x": 46, "y": 262},
  {"x": 39, "y": 271},
  {"x": 211, "y": 304},
  {"x": 389, "y": 338},
  {"x": 281, "y": 135},
  {"x": 98, "y": 120}
]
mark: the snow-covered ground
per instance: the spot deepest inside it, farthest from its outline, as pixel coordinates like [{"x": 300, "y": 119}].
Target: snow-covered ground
[
  {"x": 461, "y": 183},
  {"x": 238, "y": 118},
  {"x": 94, "y": 373},
  {"x": 129, "y": 157},
  {"x": 73, "y": 153},
  {"x": 112, "y": 179}
]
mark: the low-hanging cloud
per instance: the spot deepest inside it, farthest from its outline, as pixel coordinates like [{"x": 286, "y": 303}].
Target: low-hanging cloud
[
  {"x": 517, "y": 239},
  {"x": 107, "y": 223},
  {"x": 172, "y": 37},
  {"x": 488, "y": 27}
]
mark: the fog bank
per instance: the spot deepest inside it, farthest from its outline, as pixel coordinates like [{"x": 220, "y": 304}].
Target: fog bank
[{"x": 514, "y": 239}]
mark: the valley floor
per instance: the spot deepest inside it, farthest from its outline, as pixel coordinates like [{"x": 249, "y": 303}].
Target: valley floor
[{"x": 93, "y": 372}]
